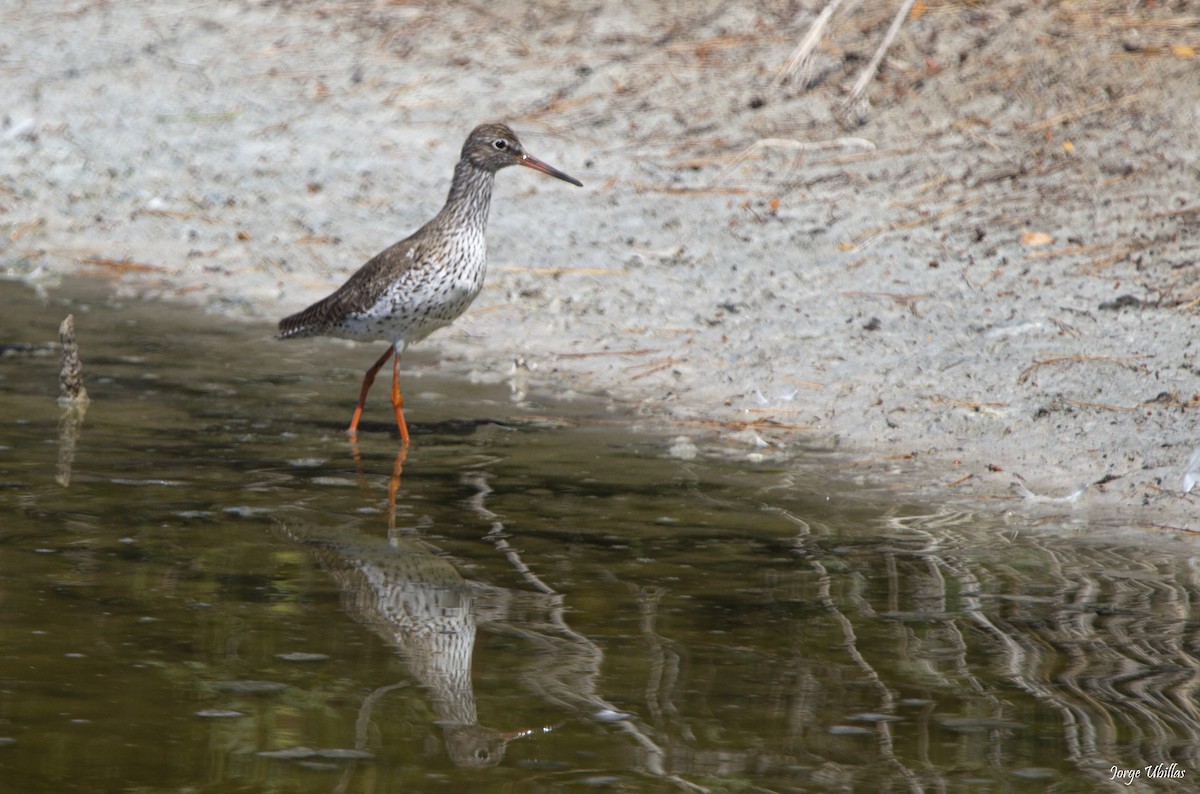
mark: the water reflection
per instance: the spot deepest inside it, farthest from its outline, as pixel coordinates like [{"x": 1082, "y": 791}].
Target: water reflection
[
  {"x": 415, "y": 599},
  {"x": 890, "y": 657},
  {"x": 409, "y": 593},
  {"x": 518, "y": 605}
]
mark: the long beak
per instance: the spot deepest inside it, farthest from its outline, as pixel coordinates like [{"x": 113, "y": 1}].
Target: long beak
[{"x": 529, "y": 161}]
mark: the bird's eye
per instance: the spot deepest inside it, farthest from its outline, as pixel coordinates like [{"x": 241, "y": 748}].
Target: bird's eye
[{"x": 500, "y": 144}]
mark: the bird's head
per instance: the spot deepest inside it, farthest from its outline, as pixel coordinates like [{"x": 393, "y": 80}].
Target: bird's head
[{"x": 495, "y": 146}]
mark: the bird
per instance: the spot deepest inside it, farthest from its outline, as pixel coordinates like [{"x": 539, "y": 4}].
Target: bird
[{"x": 427, "y": 280}]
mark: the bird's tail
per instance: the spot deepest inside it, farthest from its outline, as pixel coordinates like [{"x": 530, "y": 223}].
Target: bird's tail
[{"x": 309, "y": 322}]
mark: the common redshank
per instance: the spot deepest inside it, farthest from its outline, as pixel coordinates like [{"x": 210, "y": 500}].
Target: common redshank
[{"x": 427, "y": 280}]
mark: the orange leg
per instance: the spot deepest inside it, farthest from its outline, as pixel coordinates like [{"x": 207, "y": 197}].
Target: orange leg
[
  {"x": 368, "y": 379},
  {"x": 398, "y": 402}
]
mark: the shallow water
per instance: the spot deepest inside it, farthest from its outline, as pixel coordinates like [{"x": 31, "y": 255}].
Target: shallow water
[{"x": 206, "y": 587}]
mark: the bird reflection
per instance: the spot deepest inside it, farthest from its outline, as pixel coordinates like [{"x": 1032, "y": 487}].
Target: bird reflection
[
  {"x": 410, "y": 593},
  {"x": 414, "y": 598}
]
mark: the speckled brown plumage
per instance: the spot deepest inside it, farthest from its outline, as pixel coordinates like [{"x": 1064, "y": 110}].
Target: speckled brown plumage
[{"x": 428, "y": 279}]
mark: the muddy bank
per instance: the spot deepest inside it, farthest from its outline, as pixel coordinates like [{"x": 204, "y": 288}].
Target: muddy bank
[{"x": 985, "y": 286}]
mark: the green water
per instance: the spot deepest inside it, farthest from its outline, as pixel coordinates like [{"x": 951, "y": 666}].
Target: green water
[{"x": 206, "y": 588}]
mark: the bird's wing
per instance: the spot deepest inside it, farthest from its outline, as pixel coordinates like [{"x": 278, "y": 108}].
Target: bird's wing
[{"x": 360, "y": 292}]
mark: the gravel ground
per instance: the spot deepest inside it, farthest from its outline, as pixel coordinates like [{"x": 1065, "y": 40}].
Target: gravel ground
[{"x": 981, "y": 286}]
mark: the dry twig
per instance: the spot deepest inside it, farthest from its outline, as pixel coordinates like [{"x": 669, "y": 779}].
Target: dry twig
[
  {"x": 1076, "y": 359},
  {"x": 920, "y": 221},
  {"x": 70, "y": 376},
  {"x": 1087, "y": 110},
  {"x": 644, "y": 351},
  {"x": 972, "y": 404},
  {"x": 801, "y": 57},
  {"x": 737, "y": 425},
  {"x": 788, "y": 143},
  {"x": 25, "y": 228},
  {"x": 855, "y": 103},
  {"x": 1102, "y": 406},
  {"x": 122, "y": 266},
  {"x": 909, "y": 300},
  {"x": 73, "y": 399},
  {"x": 804, "y": 384},
  {"x": 562, "y": 271},
  {"x": 178, "y": 215},
  {"x": 652, "y": 367}
]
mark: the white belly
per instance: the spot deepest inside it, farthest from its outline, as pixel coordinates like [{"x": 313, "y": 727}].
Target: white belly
[{"x": 425, "y": 298}]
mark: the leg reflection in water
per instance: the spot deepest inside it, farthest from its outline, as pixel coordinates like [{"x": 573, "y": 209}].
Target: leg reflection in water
[
  {"x": 394, "y": 484},
  {"x": 393, "y": 480}
]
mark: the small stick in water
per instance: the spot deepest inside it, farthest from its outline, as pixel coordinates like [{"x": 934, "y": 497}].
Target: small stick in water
[
  {"x": 72, "y": 398},
  {"x": 70, "y": 377}
]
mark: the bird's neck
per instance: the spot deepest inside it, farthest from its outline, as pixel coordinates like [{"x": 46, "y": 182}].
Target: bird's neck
[{"x": 470, "y": 197}]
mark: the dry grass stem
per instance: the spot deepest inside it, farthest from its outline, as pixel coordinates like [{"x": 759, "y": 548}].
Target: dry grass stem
[
  {"x": 1102, "y": 406},
  {"x": 677, "y": 190},
  {"x": 805, "y": 384},
  {"x": 855, "y": 103},
  {"x": 122, "y": 266},
  {"x": 1172, "y": 528},
  {"x": 1075, "y": 250},
  {"x": 739, "y": 425},
  {"x": 564, "y": 271},
  {"x": 1065, "y": 328},
  {"x": 1098, "y": 107},
  {"x": 176, "y": 214},
  {"x": 973, "y": 404},
  {"x": 27, "y": 227},
  {"x": 755, "y": 149},
  {"x": 774, "y": 411},
  {"x": 858, "y": 157},
  {"x": 1177, "y": 213},
  {"x": 801, "y": 57},
  {"x": 904, "y": 300},
  {"x": 645, "y": 351},
  {"x": 650, "y": 369},
  {"x": 1126, "y": 20},
  {"x": 1119, "y": 253},
  {"x": 921, "y": 221},
  {"x": 1123, "y": 361}
]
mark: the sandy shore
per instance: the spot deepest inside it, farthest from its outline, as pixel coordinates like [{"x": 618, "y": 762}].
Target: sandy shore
[{"x": 983, "y": 292}]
